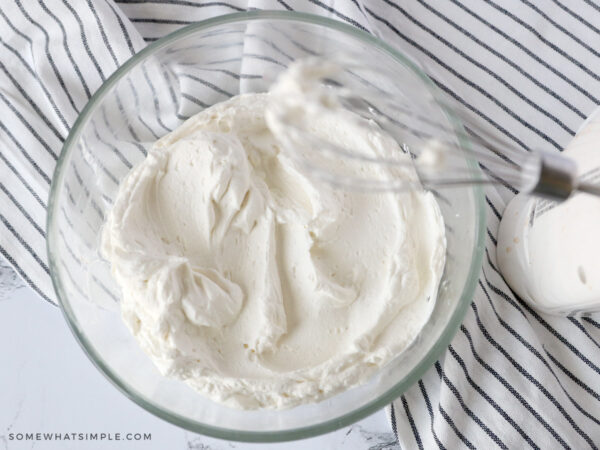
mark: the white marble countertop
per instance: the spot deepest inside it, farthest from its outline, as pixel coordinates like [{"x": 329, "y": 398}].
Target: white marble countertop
[{"x": 47, "y": 384}]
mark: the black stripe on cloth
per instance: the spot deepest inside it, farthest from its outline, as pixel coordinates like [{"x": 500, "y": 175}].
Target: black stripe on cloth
[
  {"x": 76, "y": 285},
  {"x": 449, "y": 229},
  {"x": 107, "y": 199},
  {"x": 70, "y": 197},
  {"x": 393, "y": 420},
  {"x": 132, "y": 132},
  {"x": 466, "y": 409},
  {"x": 155, "y": 100},
  {"x": 530, "y": 53},
  {"x": 84, "y": 41},
  {"x": 461, "y": 436},
  {"x": 69, "y": 249},
  {"x": 88, "y": 155},
  {"x": 60, "y": 79},
  {"x": 577, "y": 16},
  {"x": 289, "y": 8},
  {"x": 458, "y": 75},
  {"x": 583, "y": 330},
  {"x": 545, "y": 324},
  {"x": 490, "y": 173},
  {"x": 114, "y": 149},
  {"x": 504, "y": 59},
  {"x": 338, "y": 14},
  {"x": 180, "y": 3},
  {"x": 570, "y": 374},
  {"x": 493, "y": 208},
  {"x": 372, "y": 29},
  {"x": 100, "y": 26},
  {"x": 218, "y": 32},
  {"x": 72, "y": 278},
  {"x": 24, "y": 244},
  {"x": 41, "y": 85},
  {"x": 263, "y": 58},
  {"x": 294, "y": 42},
  {"x": 217, "y": 61},
  {"x": 66, "y": 217},
  {"x": 22, "y": 210},
  {"x": 79, "y": 179},
  {"x": 207, "y": 84},
  {"x": 532, "y": 349},
  {"x": 591, "y": 321},
  {"x": 35, "y": 107},
  {"x": 136, "y": 101},
  {"x": 360, "y": 9},
  {"x": 491, "y": 236},
  {"x": 492, "y": 403},
  {"x": 431, "y": 414},
  {"x": 171, "y": 81},
  {"x": 411, "y": 422},
  {"x": 450, "y": 422},
  {"x": 471, "y": 108},
  {"x": 85, "y": 191},
  {"x": 592, "y": 4},
  {"x": 27, "y": 126},
  {"x": 440, "y": 197},
  {"x": 194, "y": 100},
  {"x": 196, "y": 48},
  {"x": 271, "y": 44},
  {"x": 561, "y": 28},
  {"x": 160, "y": 21},
  {"x": 237, "y": 76},
  {"x": 94, "y": 278},
  {"x": 122, "y": 26},
  {"x": 503, "y": 295},
  {"x": 525, "y": 374},
  {"x": 67, "y": 49},
  {"x": 23, "y": 275},
  {"x": 571, "y": 399},
  {"x": 87, "y": 195},
  {"x": 542, "y": 39},
  {"x": 31, "y": 161},
  {"x": 105, "y": 289},
  {"x": 482, "y": 67},
  {"x": 22, "y": 180}
]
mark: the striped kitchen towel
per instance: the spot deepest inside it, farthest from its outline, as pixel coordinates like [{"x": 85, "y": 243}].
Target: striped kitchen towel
[{"x": 512, "y": 377}]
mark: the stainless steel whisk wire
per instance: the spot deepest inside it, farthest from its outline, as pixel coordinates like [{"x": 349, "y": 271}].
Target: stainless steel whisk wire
[{"x": 539, "y": 173}]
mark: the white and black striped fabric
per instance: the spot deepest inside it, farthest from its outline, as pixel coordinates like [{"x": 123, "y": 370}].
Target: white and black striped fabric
[{"x": 512, "y": 377}]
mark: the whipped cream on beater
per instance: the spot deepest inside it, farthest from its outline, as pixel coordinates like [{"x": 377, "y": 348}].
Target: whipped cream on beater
[{"x": 257, "y": 285}]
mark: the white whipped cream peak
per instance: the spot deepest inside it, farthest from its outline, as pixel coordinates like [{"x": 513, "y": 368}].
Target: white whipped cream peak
[{"x": 255, "y": 284}]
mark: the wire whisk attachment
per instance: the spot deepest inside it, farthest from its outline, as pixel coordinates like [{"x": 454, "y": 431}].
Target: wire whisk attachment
[{"x": 427, "y": 133}]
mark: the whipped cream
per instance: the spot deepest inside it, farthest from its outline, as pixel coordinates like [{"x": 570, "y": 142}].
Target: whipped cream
[{"x": 257, "y": 285}]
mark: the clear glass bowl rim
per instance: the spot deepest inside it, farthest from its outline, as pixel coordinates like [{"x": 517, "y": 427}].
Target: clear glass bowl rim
[{"x": 231, "y": 434}]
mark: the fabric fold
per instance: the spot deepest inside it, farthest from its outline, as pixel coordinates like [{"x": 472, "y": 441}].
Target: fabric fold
[{"x": 511, "y": 377}]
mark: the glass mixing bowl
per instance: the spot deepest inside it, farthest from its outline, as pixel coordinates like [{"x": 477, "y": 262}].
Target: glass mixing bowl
[{"x": 153, "y": 93}]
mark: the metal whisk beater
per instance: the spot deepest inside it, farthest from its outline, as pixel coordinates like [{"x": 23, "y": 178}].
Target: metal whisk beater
[{"x": 443, "y": 152}]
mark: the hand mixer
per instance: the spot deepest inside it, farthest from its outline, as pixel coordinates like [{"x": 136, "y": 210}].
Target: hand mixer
[{"x": 443, "y": 153}]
